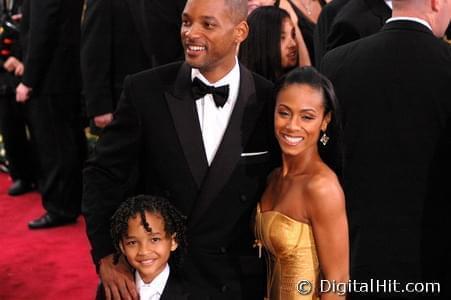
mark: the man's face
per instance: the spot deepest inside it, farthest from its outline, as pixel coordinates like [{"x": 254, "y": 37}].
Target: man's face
[{"x": 209, "y": 37}]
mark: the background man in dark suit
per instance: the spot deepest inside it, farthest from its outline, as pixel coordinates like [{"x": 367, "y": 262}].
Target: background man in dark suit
[
  {"x": 122, "y": 37},
  {"x": 322, "y": 28},
  {"x": 209, "y": 157},
  {"x": 394, "y": 91},
  {"x": 50, "y": 89},
  {"x": 357, "y": 19},
  {"x": 12, "y": 121}
]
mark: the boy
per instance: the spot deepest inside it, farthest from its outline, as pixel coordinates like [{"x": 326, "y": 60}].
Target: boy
[{"x": 150, "y": 233}]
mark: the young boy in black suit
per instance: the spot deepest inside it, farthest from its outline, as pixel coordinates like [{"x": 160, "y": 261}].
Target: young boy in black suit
[{"x": 150, "y": 233}]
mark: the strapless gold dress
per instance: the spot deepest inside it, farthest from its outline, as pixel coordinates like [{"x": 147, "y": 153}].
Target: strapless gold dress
[{"x": 291, "y": 255}]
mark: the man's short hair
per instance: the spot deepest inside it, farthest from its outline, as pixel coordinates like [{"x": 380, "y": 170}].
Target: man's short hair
[{"x": 238, "y": 9}]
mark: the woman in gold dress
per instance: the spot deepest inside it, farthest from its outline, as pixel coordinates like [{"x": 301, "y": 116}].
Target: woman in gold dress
[{"x": 301, "y": 220}]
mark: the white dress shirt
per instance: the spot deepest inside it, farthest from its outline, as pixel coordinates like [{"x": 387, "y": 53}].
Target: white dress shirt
[
  {"x": 418, "y": 20},
  {"x": 214, "y": 120},
  {"x": 154, "y": 289},
  {"x": 389, "y": 4}
]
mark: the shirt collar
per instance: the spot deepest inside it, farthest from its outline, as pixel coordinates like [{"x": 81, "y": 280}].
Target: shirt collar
[
  {"x": 157, "y": 284},
  {"x": 232, "y": 79},
  {"x": 229, "y": 78},
  {"x": 389, "y": 3},
  {"x": 413, "y": 19}
]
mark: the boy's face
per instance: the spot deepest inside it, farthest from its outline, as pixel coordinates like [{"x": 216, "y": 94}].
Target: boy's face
[{"x": 147, "y": 252}]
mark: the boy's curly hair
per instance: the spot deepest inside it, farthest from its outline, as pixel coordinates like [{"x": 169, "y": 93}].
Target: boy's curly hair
[{"x": 174, "y": 223}]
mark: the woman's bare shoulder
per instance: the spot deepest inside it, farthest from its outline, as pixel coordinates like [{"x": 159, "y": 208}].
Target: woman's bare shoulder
[
  {"x": 323, "y": 187},
  {"x": 273, "y": 175}
]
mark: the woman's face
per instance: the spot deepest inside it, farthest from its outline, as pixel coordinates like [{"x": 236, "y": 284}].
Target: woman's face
[
  {"x": 299, "y": 118},
  {"x": 253, "y": 4},
  {"x": 288, "y": 45}
]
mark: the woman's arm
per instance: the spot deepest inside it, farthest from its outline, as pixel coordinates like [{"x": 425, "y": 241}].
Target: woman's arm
[
  {"x": 327, "y": 213},
  {"x": 304, "y": 57}
]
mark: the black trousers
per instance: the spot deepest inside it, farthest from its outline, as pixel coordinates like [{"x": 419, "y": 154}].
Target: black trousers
[
  {"x": 17, "y": 145},
  {"x": 60, "y": 143}
]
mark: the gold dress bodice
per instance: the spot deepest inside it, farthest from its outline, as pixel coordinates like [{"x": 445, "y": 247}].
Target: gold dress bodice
[{"x": 291, "y": 254}]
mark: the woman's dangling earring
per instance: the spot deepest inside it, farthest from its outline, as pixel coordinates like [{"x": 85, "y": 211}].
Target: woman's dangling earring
[{"x": 324, "y": 139}]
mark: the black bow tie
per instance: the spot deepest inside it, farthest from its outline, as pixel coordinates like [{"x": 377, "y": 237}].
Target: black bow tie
[{"x": 220, "y": 93}]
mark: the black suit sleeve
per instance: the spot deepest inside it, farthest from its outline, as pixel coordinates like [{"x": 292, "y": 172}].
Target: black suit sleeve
[
  {"x": 341, "y": 33},
  {"x": 326, "y": 67},
  {"x": 320, "y": 35},
  {"x": 96, "y": 57},
  {"x": 44, "y": 28},
  {"x": 107, "y": 177}
]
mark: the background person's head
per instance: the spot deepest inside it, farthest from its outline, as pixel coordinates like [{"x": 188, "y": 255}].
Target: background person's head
[
  {"x": 149, "y": 232},
  {"x": 253, "y": 4},
  {"x": 211, "y": 32},
  {"x": 436, "y": 12},
  {"x": 270, "y": 49}
]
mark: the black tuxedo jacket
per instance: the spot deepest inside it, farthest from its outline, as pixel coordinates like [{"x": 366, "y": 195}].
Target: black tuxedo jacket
[
  {"x": 394, "y": 90},
  {"x": 156, "y": 129},
  {"x": 357, "y": 19},
  {"x": 50, "y": 33},
  {"x": 322, "y": 28},
  {"x": 122, "y": 37},
  {"x": 175, "y": 290},
  {"x": 165, "y": 20}
]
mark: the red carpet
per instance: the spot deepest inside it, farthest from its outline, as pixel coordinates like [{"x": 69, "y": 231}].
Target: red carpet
[{"x": 52, "y": 264}]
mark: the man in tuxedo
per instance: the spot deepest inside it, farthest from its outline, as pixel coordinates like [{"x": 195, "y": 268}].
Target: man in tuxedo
[
  {"x": 322, "y": 28},
  {"x": 201, "y": 135},
  {"x": 121, "y": 38},
  {"x": 12, "y": 121},
  {"x": 357, "y": 19},
  {"x": 50, "y": 93},
  {"x": 394, "y": 91}
]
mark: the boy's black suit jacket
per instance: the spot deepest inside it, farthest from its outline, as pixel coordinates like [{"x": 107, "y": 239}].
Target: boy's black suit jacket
[
  {"x": 174, "y": 289},
  {"x": 156, "y": 129}
]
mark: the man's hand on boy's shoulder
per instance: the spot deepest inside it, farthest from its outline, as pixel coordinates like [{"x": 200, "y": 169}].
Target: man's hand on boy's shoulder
[{"x": 118, "y": 280}]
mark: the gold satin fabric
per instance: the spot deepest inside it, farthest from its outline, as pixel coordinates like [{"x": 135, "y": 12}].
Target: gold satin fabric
[{"x": 291, "y": 255}]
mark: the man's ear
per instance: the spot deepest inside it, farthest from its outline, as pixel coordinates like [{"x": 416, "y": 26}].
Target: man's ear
[
  {"x": 435, "y": 5},
  {"x": 121, "y": 247},
  {"x": 241, "y": 32},
  {"x": 174, "y": 243}
]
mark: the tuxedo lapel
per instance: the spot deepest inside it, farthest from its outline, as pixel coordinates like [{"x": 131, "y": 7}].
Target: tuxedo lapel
[
  {"x": 139, "y": 10},
  {"x": 186, "y": 121},
  {"x": 241, "y": 124}
]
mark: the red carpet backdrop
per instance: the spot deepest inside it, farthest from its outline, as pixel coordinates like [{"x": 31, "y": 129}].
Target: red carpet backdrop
[{"x": 44, "y": 264}]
